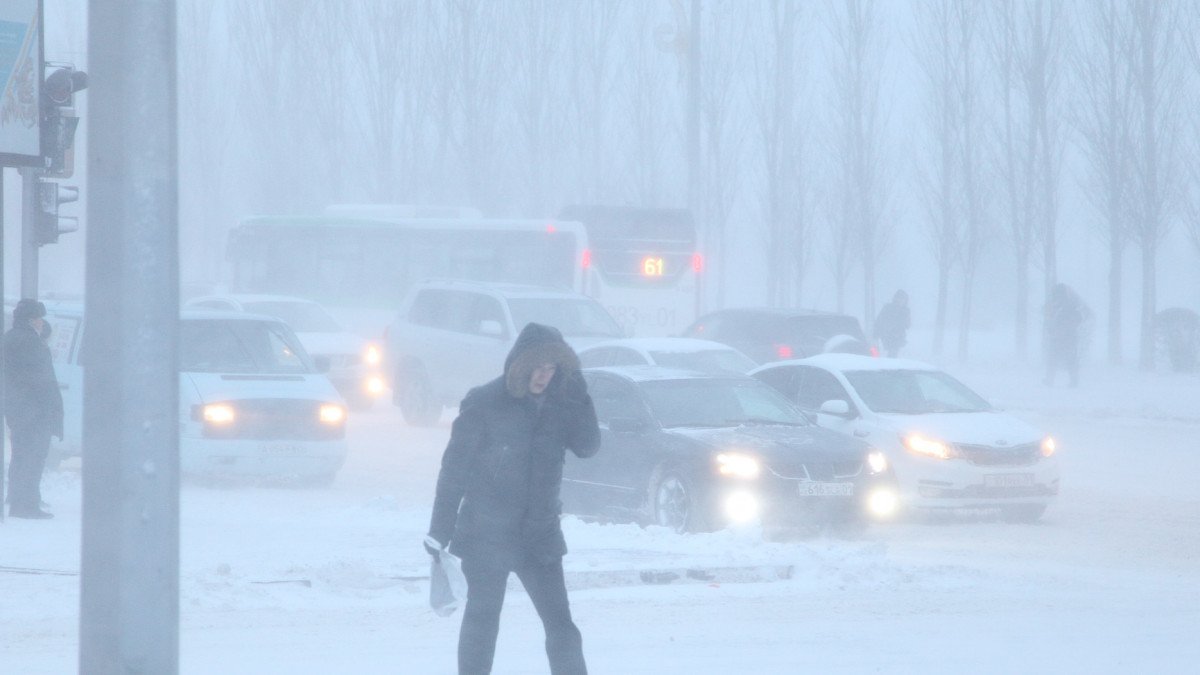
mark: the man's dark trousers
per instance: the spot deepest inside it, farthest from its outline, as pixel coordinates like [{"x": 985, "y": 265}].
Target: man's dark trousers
[
  {"x": 30, "y": 445},
  {"x": 544, "y": 583}
]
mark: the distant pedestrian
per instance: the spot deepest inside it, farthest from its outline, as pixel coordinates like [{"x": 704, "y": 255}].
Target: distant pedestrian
[
  {"x": 891, "y": 326},
  {"x": 1064, "y": 314},
  {"x": 497, "y": 505},
  {"x": 33, "y": 407}
]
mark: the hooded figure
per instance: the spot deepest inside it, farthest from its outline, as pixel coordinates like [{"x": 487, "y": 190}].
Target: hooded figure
[
  {"x": 33, "y": 407},
  {"x": 497, "y": 505},
  {"x": 891, "y": 326}
]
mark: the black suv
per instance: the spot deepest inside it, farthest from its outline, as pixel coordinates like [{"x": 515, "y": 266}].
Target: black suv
[{"x": 769, "y": 334}]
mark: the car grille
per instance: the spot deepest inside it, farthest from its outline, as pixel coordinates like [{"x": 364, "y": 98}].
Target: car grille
[
  {"x": 276, "y": 419},
  {"x": 820, "y": 471},
  {"x": 988, "y": 455}
]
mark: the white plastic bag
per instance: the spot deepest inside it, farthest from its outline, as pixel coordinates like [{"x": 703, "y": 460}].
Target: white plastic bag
[{"x": 447, "y": 585}]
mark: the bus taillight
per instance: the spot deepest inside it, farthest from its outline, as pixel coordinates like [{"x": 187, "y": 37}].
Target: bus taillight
[
  {"x": 697, "y": 263},
  {"x": 585, "y": 260}
]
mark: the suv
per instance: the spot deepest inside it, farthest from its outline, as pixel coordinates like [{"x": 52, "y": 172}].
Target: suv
[
  {"x": 769, "y": 334},
  {"x": 453, "y": 335}
]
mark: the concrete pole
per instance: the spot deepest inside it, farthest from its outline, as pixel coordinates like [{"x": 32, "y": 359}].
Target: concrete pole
[
  {"x": 3, "y": 430},
  {"x": 129, "y": 587}
]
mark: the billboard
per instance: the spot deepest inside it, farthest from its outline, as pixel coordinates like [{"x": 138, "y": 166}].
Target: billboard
[{"x": 21, "y": 75}]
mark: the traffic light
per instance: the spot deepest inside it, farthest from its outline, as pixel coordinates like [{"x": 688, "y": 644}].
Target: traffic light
[
  {"x": 59, "y": 120},
  {"x": 49, "y": 224}
]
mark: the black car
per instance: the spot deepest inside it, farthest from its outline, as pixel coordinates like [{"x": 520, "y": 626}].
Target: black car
[
  {"x": 697, "y": 452},
  {"x": 772, "y": 334}
]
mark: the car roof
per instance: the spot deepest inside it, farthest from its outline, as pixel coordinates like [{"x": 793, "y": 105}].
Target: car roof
[
  {"x": 508, "y": 290},
  {"x": 850, "y": 362},
  {"x": 664, "y": 344},
  {"x": 780, "y": 312},
  {"x": 249, "y": 297},
  {"x": 640, "y": 374}
]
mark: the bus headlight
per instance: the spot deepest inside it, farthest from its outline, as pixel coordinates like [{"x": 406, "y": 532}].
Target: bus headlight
[
  {"x": 738, "y": 465},
  {"x": 331, "y": 414}
]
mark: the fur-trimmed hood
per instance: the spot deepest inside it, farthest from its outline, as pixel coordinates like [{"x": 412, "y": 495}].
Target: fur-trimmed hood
[{"x": 537, "y": 344}]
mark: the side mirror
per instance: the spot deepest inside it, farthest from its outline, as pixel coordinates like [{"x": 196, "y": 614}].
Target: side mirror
[
  {"x": 491, "y": 328},
  {"x": 837, "y": 407},
  {"x": 626, "y": 425},
  {"x": 322, "y": 363}
]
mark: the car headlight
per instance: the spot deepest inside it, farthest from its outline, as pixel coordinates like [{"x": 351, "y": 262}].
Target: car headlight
[
  {"x": 738, "y": 465},
  {"x": 1048, "y": 446},
  {"x": 877, "y": 461},
  {"x": 375, "y": 385},
  {"x": 218, "y": 414},
  {"x": 923, "y": 445},
  {"x": 372, "y": 355},
  {"x": 331, "y": 414}
]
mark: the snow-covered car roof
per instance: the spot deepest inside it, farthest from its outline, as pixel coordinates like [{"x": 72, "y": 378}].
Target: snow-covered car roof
[
  {"x": 249, "y": 297},
  {"x": 660, "y": 374},
  {"x": 850, "y": 362},
  {"x": 665, "y": 344}
]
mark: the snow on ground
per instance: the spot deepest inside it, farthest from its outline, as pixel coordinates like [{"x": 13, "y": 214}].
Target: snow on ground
[{"x": 318, "y": 581}]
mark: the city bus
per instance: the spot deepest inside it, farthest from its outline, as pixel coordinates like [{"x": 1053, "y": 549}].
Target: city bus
[
  {"x": 360, "y": 261},
  {"x": 642, "y": 264}
]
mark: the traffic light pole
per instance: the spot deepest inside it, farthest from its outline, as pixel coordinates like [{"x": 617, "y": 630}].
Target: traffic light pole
[{"x": 29, "y": 223}]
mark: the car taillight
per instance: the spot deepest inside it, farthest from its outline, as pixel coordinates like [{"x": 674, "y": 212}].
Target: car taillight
[
  {"x": 783, "y": 351},
  {"x": 874, "y": 351},
  {"x": 585, "y": 261}
]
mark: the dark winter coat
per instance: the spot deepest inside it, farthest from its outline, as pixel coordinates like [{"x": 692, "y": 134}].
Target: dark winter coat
[
  {"x": 891, "y": 327},
  {"x": 498, "y": 490},
  {"x": 32, "y": 399}
]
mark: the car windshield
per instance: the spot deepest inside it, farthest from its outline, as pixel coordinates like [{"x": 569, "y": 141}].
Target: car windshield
[
  {"x": 303, "y": 317},
  {"x": 574, "y": 317},
  {"x": 914, "y": 392},
  {"x": 225, "y": 346},
  {"x": 708, "y": 361},
  {"x": 718, "y": 403}
]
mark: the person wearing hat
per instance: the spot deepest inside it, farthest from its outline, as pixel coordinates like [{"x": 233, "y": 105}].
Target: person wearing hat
[
  {"x": 497, "y": 504},
  {"x": 33, "y": 407}
]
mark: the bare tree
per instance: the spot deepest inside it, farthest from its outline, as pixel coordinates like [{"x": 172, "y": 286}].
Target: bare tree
[
  {"x": 722, "y": 137},
  {"x": 864, "y": 189},
  {"x": 1192, "y": 195},
  {"x": 1102, "y": 118},
  {"x": 592, "y": 27},
  {"x": 775, "y": 84},
  {"x": 479, "y": 73},
  {"x": 1159, "y": 96},
  {"x": 651, "y": 108},
  {"x": 936, "y": 49}
]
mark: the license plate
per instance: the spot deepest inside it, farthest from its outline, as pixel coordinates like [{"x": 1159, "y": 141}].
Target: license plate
[
  {"x": 1007, "y": 480},
  {"x": 281, "y": 449},
  {"x": 826, "y": 489}
]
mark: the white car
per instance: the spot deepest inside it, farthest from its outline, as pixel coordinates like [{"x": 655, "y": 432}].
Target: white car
[
  {"x": 354, "y": 362},
  {"x": 703, "y": 356},
  {"x": 251, "y": 402},
  {"x": 948, "y": 447}
]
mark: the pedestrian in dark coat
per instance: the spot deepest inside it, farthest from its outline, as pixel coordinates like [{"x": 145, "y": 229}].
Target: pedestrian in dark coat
[
  {"x": 891, "y": 326},
  {"x": 497, "y": 503},
  {"x": 33, "y": 407},
  {"x": 1065, "y": 313}
]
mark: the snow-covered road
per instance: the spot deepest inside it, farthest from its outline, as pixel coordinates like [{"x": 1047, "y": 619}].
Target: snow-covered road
[{"x": 314, "y": 581}]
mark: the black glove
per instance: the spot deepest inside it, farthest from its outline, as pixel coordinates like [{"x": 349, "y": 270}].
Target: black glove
[{"x": 574, "y": 388}]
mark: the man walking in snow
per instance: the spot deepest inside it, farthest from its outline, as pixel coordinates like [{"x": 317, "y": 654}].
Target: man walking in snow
[
  {"x": 891, "y": 327},
  {"x": 497, "y": 505}
]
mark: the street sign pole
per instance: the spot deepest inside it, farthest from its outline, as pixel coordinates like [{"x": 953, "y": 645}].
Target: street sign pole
[{"x": 129, "y": 577}]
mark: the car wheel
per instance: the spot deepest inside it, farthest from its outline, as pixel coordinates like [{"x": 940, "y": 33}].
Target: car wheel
[
  {"x": 673, "y": 504},
  {"x": 1022, "y": 513},
  {"x": 415, "y": 397}
]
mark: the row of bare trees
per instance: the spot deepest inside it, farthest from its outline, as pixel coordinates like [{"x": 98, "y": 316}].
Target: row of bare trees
[{"x": 521, "y": 106}]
